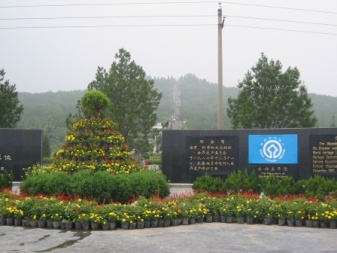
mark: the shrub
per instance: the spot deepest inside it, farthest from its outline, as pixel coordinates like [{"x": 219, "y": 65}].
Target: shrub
[
  {"x": 208, "y": 183},
  {"x": 148, "y": 184},
  {"x": 6, "y": 179},
  {"x": 34, "y": 184},
  {"x": 47, "y": 183},
  {"x": 94, "y": 101},
  {"x": 164, "y": 189},
  {"x": 82, "y": 183},
  {"x": 269, "y": 185},
  {"x": 286, "y": 185},
  {"x": 57, "y": 183},
  {"x": 103, "y": 186},
  {"x": 122, "y": 191},
  {"x": 100, "y": 186},
  {"x": 238, "y": 181},
  {"x": 318, "y": 186}
]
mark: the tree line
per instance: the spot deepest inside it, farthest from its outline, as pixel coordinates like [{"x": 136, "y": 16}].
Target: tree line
[{"x": 267, "y": 97}]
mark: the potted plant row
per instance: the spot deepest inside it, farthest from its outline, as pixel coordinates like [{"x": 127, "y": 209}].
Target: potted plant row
[{"x": 54, "y": 212}]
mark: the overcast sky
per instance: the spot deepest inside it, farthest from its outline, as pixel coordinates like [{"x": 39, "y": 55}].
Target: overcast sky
[{"x": 167, "y": 38}]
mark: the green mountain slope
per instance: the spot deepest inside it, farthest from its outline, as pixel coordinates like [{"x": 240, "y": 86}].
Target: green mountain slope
[{"x": 48, "y": 111}]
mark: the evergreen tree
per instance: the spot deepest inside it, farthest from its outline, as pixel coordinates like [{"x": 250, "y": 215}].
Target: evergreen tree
[
  {"x": 10, "y": 109},
  {"x": 270, "y": 98},
  {"x": 134, "y": 100}
]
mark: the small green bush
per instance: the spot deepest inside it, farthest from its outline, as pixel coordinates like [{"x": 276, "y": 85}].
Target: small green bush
[
  {"x": 242, "y": 181},
  {"x": 82, "y": 183},
  {"x": 94, "y": 101},
  {"x": 103, "y": 186},
  {"x": 269, "y": 184},
  {"x": 46, "y": 183},
  {"x": 286, "y": 185},
  {"x": 318, "y": 186},
  {"x": 208, "y": 183},
  {"x": 6, "y": 179},
  {"x": 147, "y": 184},
  {"x": 57, "y": 183},
  {"x": 122, "y": 191},
  {"x": 164, "y": 189}
]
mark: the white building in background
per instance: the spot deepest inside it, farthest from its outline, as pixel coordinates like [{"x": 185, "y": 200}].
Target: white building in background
[{"x": 158, "y": 126}]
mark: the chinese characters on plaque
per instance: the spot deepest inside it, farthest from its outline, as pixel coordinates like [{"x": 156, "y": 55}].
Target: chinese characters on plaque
[
  {"x": 276, "y": 171},
  {"x": 212, "y": 154},
  {"x": 323, "y": 154},
  {"x": 2, "y": 159}
]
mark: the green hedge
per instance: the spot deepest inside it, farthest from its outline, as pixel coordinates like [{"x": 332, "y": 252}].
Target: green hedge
[
  {"x": 100, "y": 186},
  {"x": 317, "y": 186}
]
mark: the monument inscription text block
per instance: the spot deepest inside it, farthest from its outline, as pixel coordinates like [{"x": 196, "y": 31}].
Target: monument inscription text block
[
  {"x": 323, "y": 153},
  {"x": 215, "y": 155}
]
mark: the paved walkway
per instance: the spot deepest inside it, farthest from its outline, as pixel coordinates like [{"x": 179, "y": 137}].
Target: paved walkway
[{"x": 205, "y": 237}]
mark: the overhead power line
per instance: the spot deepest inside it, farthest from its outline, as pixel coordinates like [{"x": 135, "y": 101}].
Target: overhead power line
[
  {"x": 107, "y": 4},
  {"x": 163, "y": 25},
  {"x": 280, "y": 7},
  {"x": 281, "y": 29},
  {"x": 165, "y": 16},
  {"x": 108, "y": 17},
  {"x": 281, "y": 20},
  {"x": 158, "y": 16},
  {"x": 163, "y": 3},
  {"x": 98, "y": 26}
]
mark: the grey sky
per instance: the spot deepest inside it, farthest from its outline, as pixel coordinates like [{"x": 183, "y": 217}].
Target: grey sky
[{"x": 40, "y": 60}]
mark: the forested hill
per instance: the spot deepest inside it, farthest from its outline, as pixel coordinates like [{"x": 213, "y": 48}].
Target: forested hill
[
  {"x": 198, "y": 108},
  {"x": 48, "y": 111},
  {"x": 325, "y": 108}
]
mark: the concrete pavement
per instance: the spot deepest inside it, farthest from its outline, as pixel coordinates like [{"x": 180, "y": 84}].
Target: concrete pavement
[{"x": 205, "y": 237}]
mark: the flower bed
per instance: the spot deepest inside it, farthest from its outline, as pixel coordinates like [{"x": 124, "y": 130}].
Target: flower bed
[{"x": 170, "y": 211}]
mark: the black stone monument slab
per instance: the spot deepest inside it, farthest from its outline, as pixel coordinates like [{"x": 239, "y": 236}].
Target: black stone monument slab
[
  {"x": 19, "y": 148},
  {"x": 299, "y": 153}
]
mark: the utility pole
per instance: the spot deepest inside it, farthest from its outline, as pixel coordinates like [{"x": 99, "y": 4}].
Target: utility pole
[{"x": 220, "y": 89}]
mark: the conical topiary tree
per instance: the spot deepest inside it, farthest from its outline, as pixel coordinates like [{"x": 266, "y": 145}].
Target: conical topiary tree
[{"x": 93, "y": 143}]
